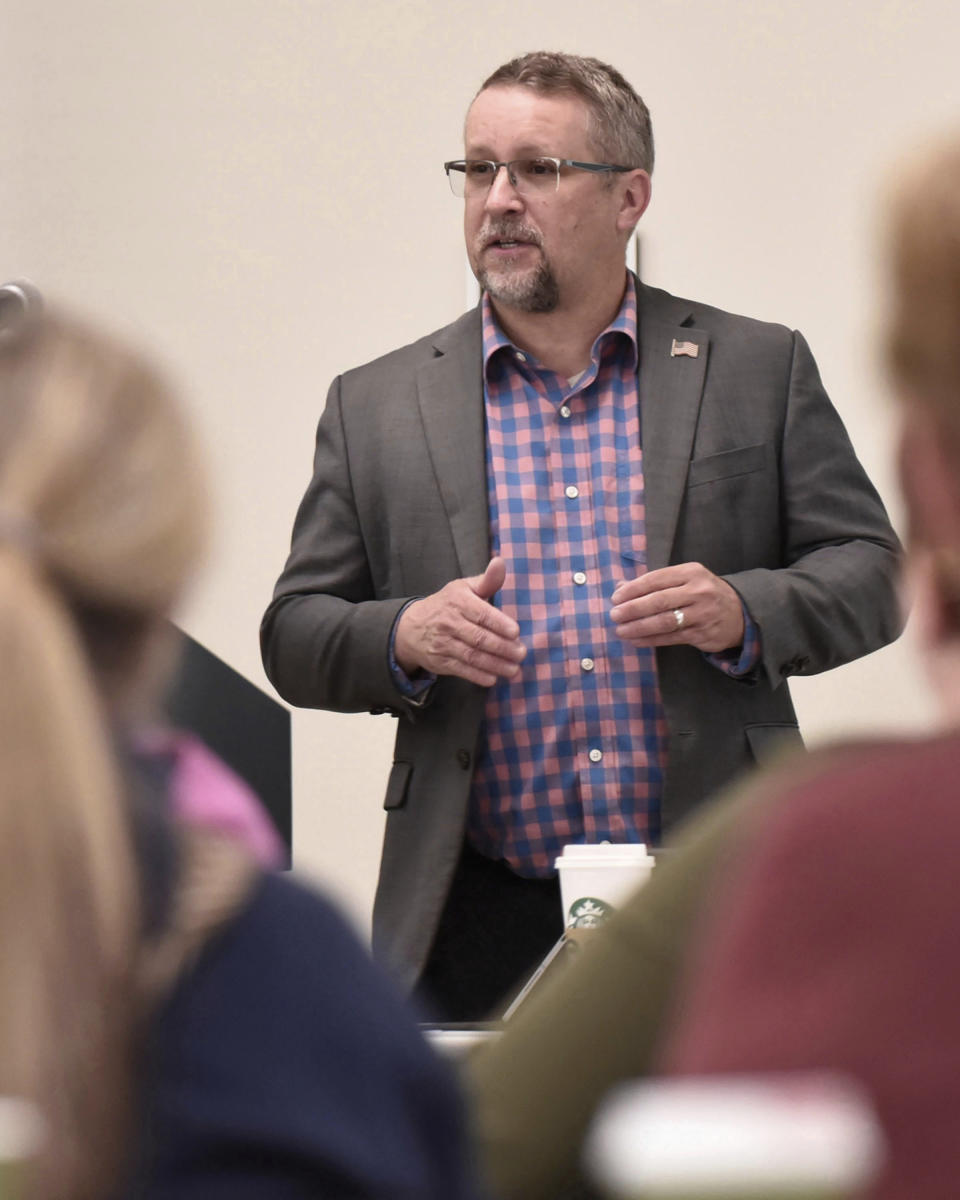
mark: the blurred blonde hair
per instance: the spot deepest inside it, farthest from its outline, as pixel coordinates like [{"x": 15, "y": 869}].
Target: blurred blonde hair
[
  {"x": 102, "y": 516},
  {"x": 923, "y": 337}
]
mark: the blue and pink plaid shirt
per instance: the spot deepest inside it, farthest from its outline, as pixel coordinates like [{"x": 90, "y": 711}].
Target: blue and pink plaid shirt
[{"x": 574, "y": 746}]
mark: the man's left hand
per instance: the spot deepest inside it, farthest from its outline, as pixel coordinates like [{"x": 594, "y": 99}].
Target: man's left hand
[{"x": 645, "y": 609}]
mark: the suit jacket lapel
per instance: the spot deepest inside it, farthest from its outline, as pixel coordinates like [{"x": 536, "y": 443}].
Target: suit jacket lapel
[
  {"x": 450, "y": 393},
  {"x": 671, "y": 387}
]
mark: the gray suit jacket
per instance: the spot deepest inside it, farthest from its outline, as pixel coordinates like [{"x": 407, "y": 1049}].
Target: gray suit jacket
[{"x": 748, "y": 469}]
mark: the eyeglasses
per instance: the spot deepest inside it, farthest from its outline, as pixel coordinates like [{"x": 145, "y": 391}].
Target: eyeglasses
[{"x": 530, "y": 176}]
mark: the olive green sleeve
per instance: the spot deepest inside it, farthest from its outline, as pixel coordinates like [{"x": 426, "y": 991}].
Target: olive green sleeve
[{"x": 533, "y": 1091}]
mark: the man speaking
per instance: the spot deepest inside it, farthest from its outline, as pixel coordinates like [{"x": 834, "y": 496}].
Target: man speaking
[{"x": 577, "y": 541}]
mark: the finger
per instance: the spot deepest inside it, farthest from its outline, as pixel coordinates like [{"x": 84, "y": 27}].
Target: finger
[
  {"x": 645, "y": 608},
  {"x": 495, "y": 621},
  {"x": 482, "y": 625},
  {"x": 477, "y": 613},
  {"x": 491, "y": 581},
  {"x": 477, "y": 666},
  {"x": 478, "y": 639},
  {"x": 627, "y": 589},
  {"x": 662, "y": 625},
  {"x": 474, "y": 595},
  {"x": 651, "y": 582}
]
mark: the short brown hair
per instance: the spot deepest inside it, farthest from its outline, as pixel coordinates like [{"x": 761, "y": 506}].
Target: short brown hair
[{"x": 619, "y": 120}]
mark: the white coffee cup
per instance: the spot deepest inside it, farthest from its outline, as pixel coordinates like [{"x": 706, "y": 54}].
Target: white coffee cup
[{"x": 595, "y": 879}]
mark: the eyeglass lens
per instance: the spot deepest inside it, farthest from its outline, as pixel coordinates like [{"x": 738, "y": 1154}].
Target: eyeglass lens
[{"x": 526, "y": 175}]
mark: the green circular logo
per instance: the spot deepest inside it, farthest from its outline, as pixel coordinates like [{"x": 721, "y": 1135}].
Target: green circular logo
[{"x": 588, "y": 911}]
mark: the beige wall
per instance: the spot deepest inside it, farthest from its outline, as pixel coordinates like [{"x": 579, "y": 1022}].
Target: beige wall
[{"x": 253, "y": 188}]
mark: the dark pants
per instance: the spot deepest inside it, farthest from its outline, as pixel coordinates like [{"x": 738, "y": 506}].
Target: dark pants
[{"x": 495, "y": 929}]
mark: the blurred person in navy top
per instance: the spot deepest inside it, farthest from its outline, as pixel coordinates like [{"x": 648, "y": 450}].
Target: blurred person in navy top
[{"x": 186, "y": 1024}]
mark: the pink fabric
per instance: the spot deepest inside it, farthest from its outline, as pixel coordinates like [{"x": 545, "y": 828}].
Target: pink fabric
[{"x": 205, "y": 791}]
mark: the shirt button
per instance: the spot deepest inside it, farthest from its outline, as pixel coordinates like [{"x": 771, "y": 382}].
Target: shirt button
[
  {"x": 521, "y": 356},
  {"x": 572, "y": 492},
  {"x": 587, "y": 664},
  {"x": 595, "y": 755},
  {"x": 579, "y": 578},
  {"x": 463, "y": 759},
  {"x": 565, "y": 412}
]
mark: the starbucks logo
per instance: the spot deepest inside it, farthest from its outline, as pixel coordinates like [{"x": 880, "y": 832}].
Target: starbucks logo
[{"x": 588, "y": 911}]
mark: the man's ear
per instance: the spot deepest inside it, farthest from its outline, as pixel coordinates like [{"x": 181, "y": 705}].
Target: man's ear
[{"x": 635, "y": 197}]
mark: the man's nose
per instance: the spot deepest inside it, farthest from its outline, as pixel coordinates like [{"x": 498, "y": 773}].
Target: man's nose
[{"x": 503, "y": 195}]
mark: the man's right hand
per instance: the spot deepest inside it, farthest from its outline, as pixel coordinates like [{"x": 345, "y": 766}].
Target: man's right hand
[{"x": 457, "y": 631}]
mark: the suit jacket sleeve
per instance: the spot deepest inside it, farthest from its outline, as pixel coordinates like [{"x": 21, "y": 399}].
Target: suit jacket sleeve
[
  {"x": 325, "y": 635},
  {"x": 835, "y": 596}
]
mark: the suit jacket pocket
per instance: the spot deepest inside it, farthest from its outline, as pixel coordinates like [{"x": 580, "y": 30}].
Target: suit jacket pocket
[
  {"x": 397, "y": 785},
  {"x": 771, "y": 741},
  {"x": 726, "y": 465}
]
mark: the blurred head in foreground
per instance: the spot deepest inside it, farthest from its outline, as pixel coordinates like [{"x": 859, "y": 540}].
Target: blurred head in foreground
[
  {"x": 923, "y": 346},
  {"x": 834, "y": 945},
  {"x": 101, "y": 520},
  {"x": 923, "y": 351}
]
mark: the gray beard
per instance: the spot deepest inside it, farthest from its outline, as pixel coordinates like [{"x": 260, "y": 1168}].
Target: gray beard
[{"x": 534, "y": 292}]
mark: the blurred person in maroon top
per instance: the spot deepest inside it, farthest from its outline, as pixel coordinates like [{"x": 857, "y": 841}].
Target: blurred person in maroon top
[{"x": 837, "y": 944}]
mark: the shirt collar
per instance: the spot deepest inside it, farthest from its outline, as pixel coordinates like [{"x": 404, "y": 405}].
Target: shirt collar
[{"x": 623, "y": 329}]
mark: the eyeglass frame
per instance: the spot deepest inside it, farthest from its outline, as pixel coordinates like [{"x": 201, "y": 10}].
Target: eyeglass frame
[{"x": 594, "y": 168}]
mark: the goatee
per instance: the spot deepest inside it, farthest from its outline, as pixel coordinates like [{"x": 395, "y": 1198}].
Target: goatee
[
  {"x": 535, "y": 291},
  {"x": 532, "y": 290}
]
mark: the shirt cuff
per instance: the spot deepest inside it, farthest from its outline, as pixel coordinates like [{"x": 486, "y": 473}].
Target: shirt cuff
[
  {"x": 413, "y": 689},
  {"x": 740, "y": 660}
]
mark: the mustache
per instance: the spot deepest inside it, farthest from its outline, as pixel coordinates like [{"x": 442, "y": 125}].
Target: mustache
[{"x": 507, "y": 231}]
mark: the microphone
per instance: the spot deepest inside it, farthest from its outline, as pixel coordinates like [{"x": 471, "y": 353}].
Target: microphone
[{"x": 20, "y": 302}]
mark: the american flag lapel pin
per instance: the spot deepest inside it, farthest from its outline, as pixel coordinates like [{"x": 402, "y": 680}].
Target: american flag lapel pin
[{"x": 690, "y": 349}]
